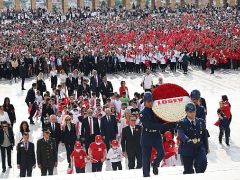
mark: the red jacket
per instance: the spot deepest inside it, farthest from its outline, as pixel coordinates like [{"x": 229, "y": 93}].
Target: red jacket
[
  {"x": 79, "y": 158},
  {"x": 122, "y": 89},
  {"x": 98, "y": 151},
  {"x": 226, "y": 109}
]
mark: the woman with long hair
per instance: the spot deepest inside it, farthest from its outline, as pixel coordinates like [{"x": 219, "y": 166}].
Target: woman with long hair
[
  {"x": 23, "y": 128},
  {"x": 9, "y": 108}
]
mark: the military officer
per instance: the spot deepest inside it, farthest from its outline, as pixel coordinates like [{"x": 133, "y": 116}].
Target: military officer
[
  {"x": 46, "y": 153},
  {"x": 151, "y": 136},
  {"x": 193, "y": 146},
  {"x": 196, "y": 97}
]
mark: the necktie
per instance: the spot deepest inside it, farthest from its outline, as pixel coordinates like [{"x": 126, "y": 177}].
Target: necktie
[
  {"x": 96, "y": 81},
  {"x": 91, "y": 129},
  {"x": 108, "y": 119},
  {"x": 192, "y": 123},
  {"x": 25, "y": 146},
  {"x": 53, "y": 127}
]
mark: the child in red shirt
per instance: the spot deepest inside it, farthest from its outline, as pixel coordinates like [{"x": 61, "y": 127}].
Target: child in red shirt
[
  {"x": 97, "y": 153},
  {"x": 78, "y": 158}
]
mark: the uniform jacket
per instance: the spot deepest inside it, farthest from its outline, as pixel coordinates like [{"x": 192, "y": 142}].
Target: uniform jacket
[
  {"x": 47, "y": 152},
  {"x": 187, "y": 132},
  {"x": 131, "y": 142},
  {"x": 26, "y": 158}
]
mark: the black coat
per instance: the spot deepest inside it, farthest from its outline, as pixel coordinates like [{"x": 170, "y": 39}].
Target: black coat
[
  {"x": 81, "y": 89},
  {"x": 55, "y": 134},
  {"x": 109, "y": 129},
  {"x": 22, "y": 71},
  {"x": 93, "y": 83},
  {"x": 26, "y": 158},
  {"x": 131, "y": 142},
  {"x": 69, "y": 136},
  {"x": 10, "y": 136},
  {"x": 70, "y": 84},
  {"x": 47, "y": 110},
  {"x": 11, "y": 112},
  {"x": 106, "y": 90},
  {"x": 85, "y": 130},
  {"x": 46, "y": 152},
  {"x": 30, "y": 96},
  {"x": 41, "y": 86}
]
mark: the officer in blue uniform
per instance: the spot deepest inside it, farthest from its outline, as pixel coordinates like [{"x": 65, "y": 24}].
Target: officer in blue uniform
[
  {"x": 193, "y": 146},
  {"x": 151, "y": 136},
  {"x": 196, "y": 97}
]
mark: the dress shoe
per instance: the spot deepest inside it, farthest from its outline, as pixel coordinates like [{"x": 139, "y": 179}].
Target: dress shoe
[
  {"x": 155, "y": 170},
  {"x": 23, "y": 89},
  {"x": 4, "y": 170},
  {"x": 10, "y": 166}
]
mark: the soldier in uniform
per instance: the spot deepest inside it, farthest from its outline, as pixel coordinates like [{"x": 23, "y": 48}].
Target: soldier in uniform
[
  {"x": 193, "y": 146},
  {"x": 200, "y": 110},
  {"x": 151, "y": 136},
  {"x": 46, "y": 153}
]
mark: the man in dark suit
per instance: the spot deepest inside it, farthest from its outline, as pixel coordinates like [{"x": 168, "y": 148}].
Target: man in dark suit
[
  {"x": 26, "y": 159},
  {"x": 106, "y": 89},
  {"x": 90, "y": 128},
  {"x": 83, "y": 87},
  {"x": 30, "y": 101},
  {"x": 95, "y": 82},
  {"x": 46, "y": 153},
  {"x": 6, "y": 144},
  {"x": 70, "y": 84},
  {"x": 55, "y": 129},
  {"x": 131, "y": 143},
  {"x": 109, "y": 128},
  {"x": 22, "y": 73}
]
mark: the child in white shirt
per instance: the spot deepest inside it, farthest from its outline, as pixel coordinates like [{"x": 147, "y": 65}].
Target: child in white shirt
[{"x": 115, "y": 156}]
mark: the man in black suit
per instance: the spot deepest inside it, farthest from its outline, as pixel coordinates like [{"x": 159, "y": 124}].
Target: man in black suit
[
  {"x": 6, "y": 144},
  {"x": 83, "y": 87},
  {"x": 22, "y": 73},
  {"x": 131, "y": 143},
  {"x": 106, "y": 89},
  {"x": 30, "y": 101},
  {"x": 26, "y": 159},
  {"x": 109, "y": 128},
  {"x": 95, "y": 82},
  {"x": 90, "y": 128},
  {"x": 70, "y": 82},
  {"x": 46, "y": 153},
  {"x": 55, "y": 130}
]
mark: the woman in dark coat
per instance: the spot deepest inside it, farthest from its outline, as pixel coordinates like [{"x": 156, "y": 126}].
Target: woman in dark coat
[{"x": 9, "y": 108}]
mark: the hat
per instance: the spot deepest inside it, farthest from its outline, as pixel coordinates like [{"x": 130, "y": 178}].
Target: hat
[
  {"x": 98, "y": 139},
  {"x": 78, "y": 145},
  {"x": 168, "y": 136},
  {"x": 190, "y": 107},
  {"x": 114, "y": 143},
  {"x": 46, "y": 130},
  {"x": 147, "y": 97},
  {"x": 195, "y": 94}
]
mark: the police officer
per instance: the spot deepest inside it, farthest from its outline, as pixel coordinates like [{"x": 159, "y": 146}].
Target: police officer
[
  {"x": 196, "y": 98},
  {"x": 46, "y": 153},
  {"x": 193, "y": 146},
  {"x": 151, "y": 136}
]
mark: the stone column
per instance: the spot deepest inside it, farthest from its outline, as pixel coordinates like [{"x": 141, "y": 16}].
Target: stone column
[
  {"x": 49, "y": 5},
  {"x": 95, "y": 4},
  {"x": 158, "y": 5},
  {"x": 128, "y": 4},
  {"x": 1, "y": 4},
  {"x": 173, "y": 4},
  {"x": 65, "y": 6},
  {"x": 196, "y": 3},
  {"x": 33, "y": 5},
  {"x": 17, "y": 5},
  {"x": 232, "y": 3},
  {"x": 80, "y": 3},
  {"x": 152, "y": 4},
  {"x": 143, "y": 4},
  {"x": 111, "y": 3}
]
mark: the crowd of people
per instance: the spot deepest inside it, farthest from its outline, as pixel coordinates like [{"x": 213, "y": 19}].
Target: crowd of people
[
  {"x": 84, "y": 111},
  {"x": 117, "y": 40}
]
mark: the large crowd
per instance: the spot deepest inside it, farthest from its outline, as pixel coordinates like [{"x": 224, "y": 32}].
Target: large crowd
[{"x": 83, "y": 110}]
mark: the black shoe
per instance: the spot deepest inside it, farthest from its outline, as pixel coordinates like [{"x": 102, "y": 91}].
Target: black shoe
[
  {"x": 69, "y": 165},
  {"x": 23, "y": 89},
  {"x": 4, "y": 170},
  {"x": 155, "y": 170},
  {"x": 32, "y": 123},
  {"x": 10, "y": 166},
  {"x": 227, "y": 144}
]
